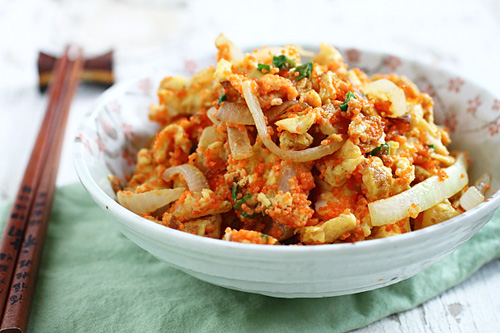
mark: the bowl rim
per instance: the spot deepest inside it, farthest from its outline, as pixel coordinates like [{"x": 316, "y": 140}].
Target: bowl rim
[{"x": 160, "y": 232}]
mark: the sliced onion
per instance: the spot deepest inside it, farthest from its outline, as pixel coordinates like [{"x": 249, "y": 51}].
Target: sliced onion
[
  {"x": 235, "y": 53},
  {"x": 239, "y": 143},
  {"x": 211, "y": 114},
  {"x": 288, "y": 171},
  {"x": 309, "y": 154},
  {"x": 386, "y": 90},
  {"x": 236, "y": 113},
  {"x": 150, "y": 201},
  {"x": 471, "y": 198},
  {"x": 483, "y": 183},
  {"x": 420, "y": 197},
  {"x": 195, "y": 179},
  {"x": 278, "y": 110}
]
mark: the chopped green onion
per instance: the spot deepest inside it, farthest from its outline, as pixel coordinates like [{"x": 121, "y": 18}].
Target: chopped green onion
[
  {"x": 262, "y": 67},
  {"x": 239, "y": 202},
  {"x": 431, "y": 146},
  {"x": 348, "y": 96},
  {"x": 304, "y": 70},
  {"x": 234, "y": 191},
  {"x": 282, "y": 61},
  {"x": 380, "y": 150},
  {"x": 222, "y": 98}
]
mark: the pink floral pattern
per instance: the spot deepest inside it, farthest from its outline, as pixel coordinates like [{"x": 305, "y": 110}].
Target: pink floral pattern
[
  {"x": 106, "y": 126},
  {"x": 494, "y": 128},
  {"x": 451, "y": 122},
  {"x": 127, "y": 131},
  {"x": 473, "y": 104},
  {"x": 145, "y": 86},
  {"x": 496, "y": 105},
  {"x": 129, "y": 157},
  {"x": 101, "y": 146},
  {"x": 429, "y": 89},
  {"x": 455, "y": 84},
  {"x": 392, "y": 62},
  {"x": 114, "y": 106},
  {"x": 190, "y": 66},
  {"x": 83, "y": 139},
  {"x": 353, "y": 56}
]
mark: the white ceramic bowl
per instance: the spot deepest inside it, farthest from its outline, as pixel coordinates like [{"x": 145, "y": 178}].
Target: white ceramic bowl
[{"x": 118, "y": 126}]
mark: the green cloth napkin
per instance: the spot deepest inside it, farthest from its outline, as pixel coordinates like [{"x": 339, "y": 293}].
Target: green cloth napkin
[{"x": 93, "y": 279}]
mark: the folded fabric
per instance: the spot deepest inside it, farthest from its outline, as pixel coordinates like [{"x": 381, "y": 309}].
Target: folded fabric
[{"x": 93, "y": 279}]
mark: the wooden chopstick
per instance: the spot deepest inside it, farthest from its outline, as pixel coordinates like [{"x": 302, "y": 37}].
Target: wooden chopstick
[
  {"x": 23, "y": 242},
  {"x": 19, "y": 215}
]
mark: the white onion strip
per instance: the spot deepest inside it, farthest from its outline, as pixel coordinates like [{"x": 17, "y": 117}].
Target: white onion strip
[
  {"x": 239, "y": 143},
  {"x": 483, "y": 183},
  {"x": 471, "y": 198},
  {"x": 195, "y": 179},
  {"x": 211, "y": 114},
  {"x": 276, "y": 111},
  {"x": 237, "y": 113},
  {"x": 309, "y": 154},
  {"x": 287, "y": 171},
  {"x": 386, "y": 90},
  {"x": 150, "y": 201},
  {"x": 420, "y": 197}
]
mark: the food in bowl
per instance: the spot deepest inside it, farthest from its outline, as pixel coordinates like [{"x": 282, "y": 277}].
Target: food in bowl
[{"x": 280, "y": 146}]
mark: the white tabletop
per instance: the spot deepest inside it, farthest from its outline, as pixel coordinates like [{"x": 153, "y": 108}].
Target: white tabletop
[{"x": 461, "y": 35}]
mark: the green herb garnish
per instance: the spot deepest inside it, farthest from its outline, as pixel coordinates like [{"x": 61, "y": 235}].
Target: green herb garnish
[
  {"x": 380, "y": 150},
  {"x": 304, "y": 70},
  {"x": 234, "y": 191},
  {"x": 262, "y": 67},
  {"x": 431, "y": 146},
  {"x": 282, "y": 61},
  {"x": 238, "y": 202},
  {"x": 348, "y": 96},
  {"x": 222, "y": 98}
]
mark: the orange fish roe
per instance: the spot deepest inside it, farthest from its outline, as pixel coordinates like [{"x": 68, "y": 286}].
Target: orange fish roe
[
  {"x": 274, "y": 84},
  {"x": 398, "y": 227},
  {"x": 384, "y": 107},
  {"x": 296, "y": 215},
  {"x": 404, "y": 176},
  {"x": 342, "y": 202},
  {"x": 442, "y": 175},
  {"x": 249, "y": 236}
]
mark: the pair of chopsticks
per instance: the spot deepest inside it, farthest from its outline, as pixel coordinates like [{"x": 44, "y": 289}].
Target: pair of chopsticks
[{"x": 23, "y": 239}]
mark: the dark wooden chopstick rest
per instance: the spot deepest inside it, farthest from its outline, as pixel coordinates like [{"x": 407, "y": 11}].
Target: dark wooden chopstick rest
[{"x": 97, "y": 70}]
